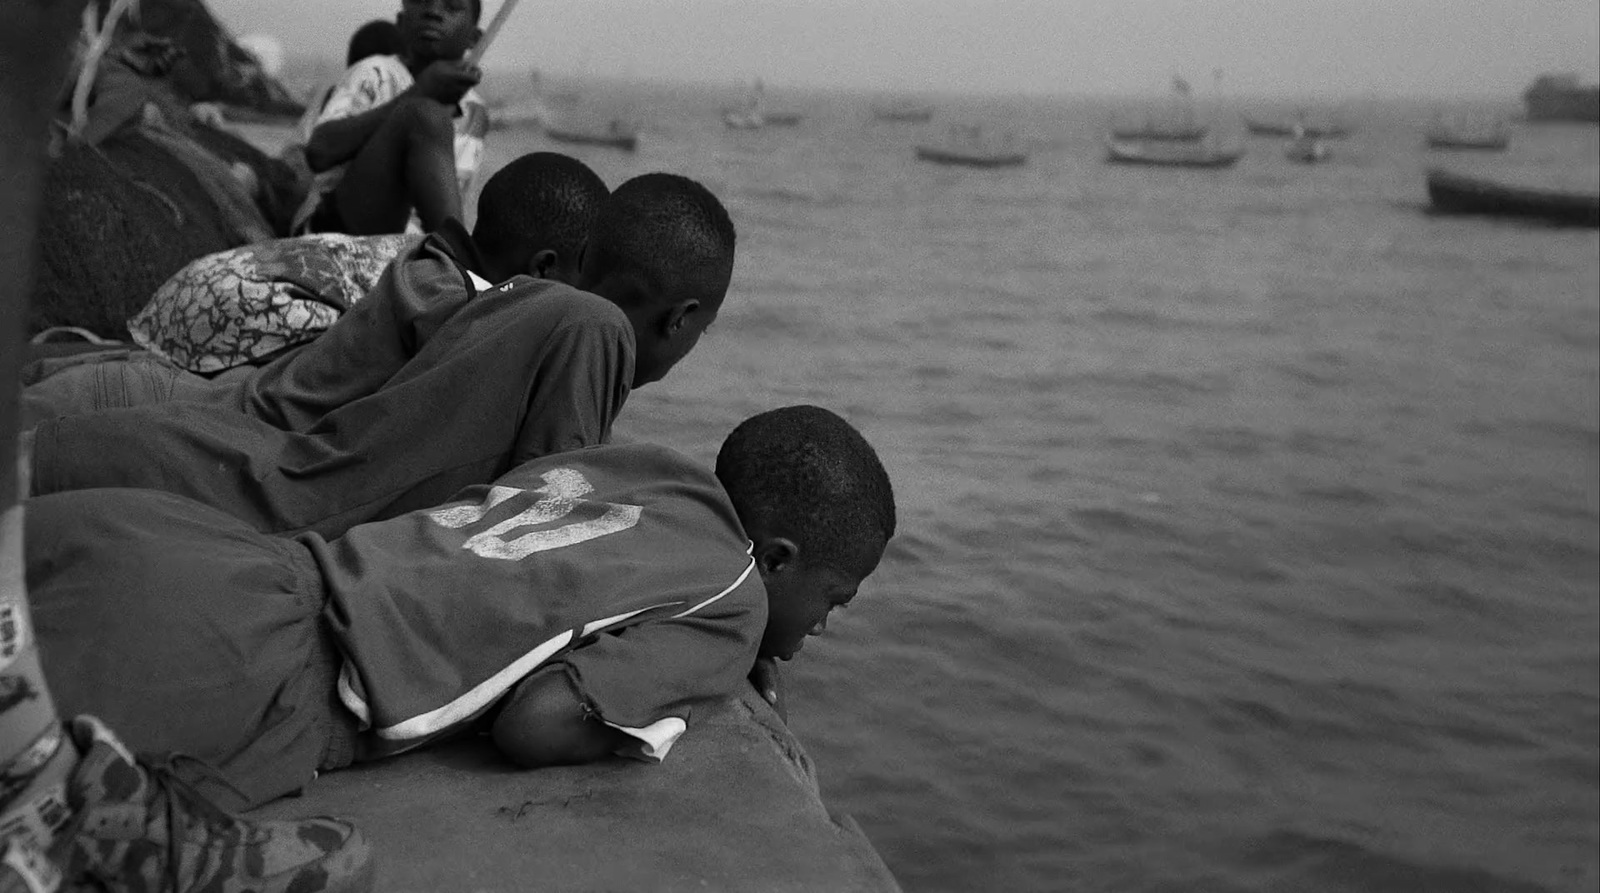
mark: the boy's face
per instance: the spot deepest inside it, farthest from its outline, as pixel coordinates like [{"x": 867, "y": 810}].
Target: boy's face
[
  {"x": 437, "y": 29},
  {"x": 801, "y": 594}
]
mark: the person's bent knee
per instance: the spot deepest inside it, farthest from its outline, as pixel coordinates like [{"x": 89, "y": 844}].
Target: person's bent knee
[{"x": 422, "y": 116}]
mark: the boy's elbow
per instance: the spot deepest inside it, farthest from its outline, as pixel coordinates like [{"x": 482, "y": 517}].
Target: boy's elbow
[
  {"x": 570, "y": 742},
  {"x": 544, "y": 725}
]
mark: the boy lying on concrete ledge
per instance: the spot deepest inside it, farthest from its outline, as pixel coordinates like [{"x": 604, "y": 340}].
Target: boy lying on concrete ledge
[{"x": 576, "y": 608}]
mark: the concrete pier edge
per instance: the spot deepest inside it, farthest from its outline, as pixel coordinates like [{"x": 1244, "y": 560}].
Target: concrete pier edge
[{"x": 735, "y": 806}]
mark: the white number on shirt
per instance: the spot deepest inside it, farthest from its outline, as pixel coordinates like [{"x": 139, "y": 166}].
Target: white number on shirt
[{"x": 562, "y": 492}]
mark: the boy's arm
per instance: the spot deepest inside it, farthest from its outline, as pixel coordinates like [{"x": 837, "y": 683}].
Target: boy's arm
[
  {"x": 630, "y": 692},
  {"x": 337, "y": 140},
  {"x": 544, "y": 723}
]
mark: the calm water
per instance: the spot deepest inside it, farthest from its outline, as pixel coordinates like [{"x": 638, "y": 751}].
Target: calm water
[{"x": 1249, "y": 519}]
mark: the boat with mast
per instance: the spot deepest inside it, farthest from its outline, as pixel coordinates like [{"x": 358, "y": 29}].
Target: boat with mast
[
  {"x": 1200, "y": 153},
  {"x": 1179, "y": 128},
  {"x": 754, "y": 114}
]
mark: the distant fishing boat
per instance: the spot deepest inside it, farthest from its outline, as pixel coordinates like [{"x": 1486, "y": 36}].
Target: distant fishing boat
[
  {"x": 783, "y": 119},
  {"x": 615, "y": 135},
  {"x": 1452, "y": 193},
  {"x": 1170, "y": 154},
  {"x": 1151, "y": 131},
  {"x": 1308, "y": 150},
  {"x": 967, "y": 146},
  {"x": 530, "y": 110},
  {"x": 754, "y": 115},
  {"x": 1444, "y": 135},
  {"x": 969, "y": 158},
  {"x": 903, "y": 112},
  {"x": 1327, "y": 131},
  {"x": 1560, "y": 97},
  {"x": 735, "y": 119},
  {"x": 1180, "y": 127}
]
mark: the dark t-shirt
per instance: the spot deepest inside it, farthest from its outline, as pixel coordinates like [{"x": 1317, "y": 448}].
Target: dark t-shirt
[
  {"x": 527, "y": 368},
  {"x": 369, "y": 343}
]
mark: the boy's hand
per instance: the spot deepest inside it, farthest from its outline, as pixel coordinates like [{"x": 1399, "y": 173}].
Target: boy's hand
[
  {"x": 446, "y": 81},
  {"x": 764, "y": 676}
]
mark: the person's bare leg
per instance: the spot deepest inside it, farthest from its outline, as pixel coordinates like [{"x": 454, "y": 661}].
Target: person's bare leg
[{"x": 409, "y": 161}]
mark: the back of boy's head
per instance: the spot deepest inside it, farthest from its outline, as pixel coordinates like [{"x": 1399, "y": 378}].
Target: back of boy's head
[
  {"x": 670, "y": 233},
  {"x": 379, "y": 37},
  {"x": 805, "y": 473},
  {"x": 543, "y": 200}
]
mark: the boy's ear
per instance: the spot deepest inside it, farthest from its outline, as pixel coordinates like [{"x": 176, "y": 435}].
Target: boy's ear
[
  {"x": 544, "y": 263},
  {"x": 774, "y": 553},
  {"x": 678, "y": 316}
]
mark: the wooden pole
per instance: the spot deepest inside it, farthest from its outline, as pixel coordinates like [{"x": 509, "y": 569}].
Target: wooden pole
[{"x": 475, "y": 55}]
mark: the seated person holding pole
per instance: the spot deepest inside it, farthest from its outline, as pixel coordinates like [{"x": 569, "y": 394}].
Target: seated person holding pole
[{"x": 401, "y": 134}]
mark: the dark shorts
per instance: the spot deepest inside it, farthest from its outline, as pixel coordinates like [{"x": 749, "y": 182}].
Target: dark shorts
[
  {"x": 188, "y": 632},
  {"x": 106, "y": 379}
]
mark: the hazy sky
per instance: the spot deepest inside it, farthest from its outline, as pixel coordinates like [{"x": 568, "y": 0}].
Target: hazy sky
[{"x": 1488, "y": 47}]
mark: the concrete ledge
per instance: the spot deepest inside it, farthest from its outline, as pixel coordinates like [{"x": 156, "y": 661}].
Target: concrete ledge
[{"x": 734, "y": 807}]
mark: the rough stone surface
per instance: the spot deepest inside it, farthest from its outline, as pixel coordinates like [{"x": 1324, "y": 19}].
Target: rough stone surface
[{"x": 734, "y": 807}]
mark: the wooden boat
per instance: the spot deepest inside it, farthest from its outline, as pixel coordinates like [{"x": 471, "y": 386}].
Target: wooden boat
[
  {"x": 1308, "y": 150},
  {"x": 616, "y": 135},
  {"x": 1444, "y": 136},
  {"x": 783, "y": 119},
  {"x": 968, "y": 146},
  {"x": 754, "y": 115},
  {"x": 743, "y": 119},
  {"x": 1150, "y": 131},
  {"x": 1170, "y": 155},
  {"x": 1329, "y": 131},
  {"x": 1177, "y": 126},
  {"x": 1560, "y": 97},
  {"x": 970, "y": 158},
  {"x": 1453, "y": 193},
  {"x": 903, "y": 113}
]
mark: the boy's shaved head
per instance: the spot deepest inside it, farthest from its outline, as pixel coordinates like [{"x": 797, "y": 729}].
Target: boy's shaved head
[
  {"x": 669, "y": 231},
  {"x": 662, "y": 250},
  {"x": 541, "y": 200},
  {"x": 379, "y": 37},
  {"x": 805, "y": 473}
]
